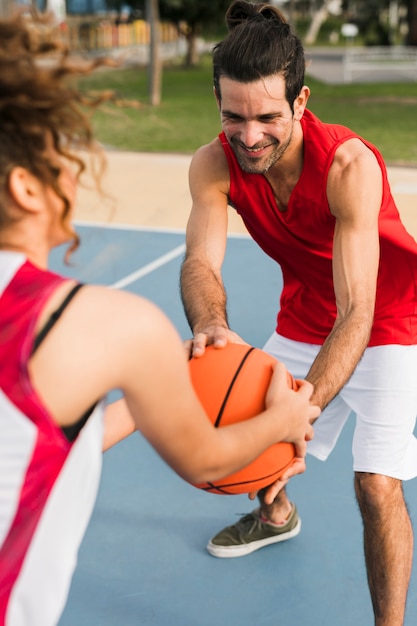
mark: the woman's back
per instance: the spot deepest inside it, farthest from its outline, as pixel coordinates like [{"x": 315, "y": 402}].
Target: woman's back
[{"x": 49, "y": 483}]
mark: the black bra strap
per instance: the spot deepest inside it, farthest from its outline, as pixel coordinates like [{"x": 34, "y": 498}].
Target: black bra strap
[
  {"x": 71, "y": 431},
  {"x": 55, "y": 317}
]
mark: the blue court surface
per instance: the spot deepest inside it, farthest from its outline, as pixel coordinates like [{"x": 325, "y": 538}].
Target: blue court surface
[{"x": 143, "y": 560}]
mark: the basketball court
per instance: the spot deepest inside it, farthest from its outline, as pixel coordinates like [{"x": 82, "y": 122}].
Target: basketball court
[{"x": 143, "y": 560}]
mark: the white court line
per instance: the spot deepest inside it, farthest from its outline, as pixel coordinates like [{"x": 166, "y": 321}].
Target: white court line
[
  {"x": 147, "y": 269},
  {"x": 154, "y": 265}
]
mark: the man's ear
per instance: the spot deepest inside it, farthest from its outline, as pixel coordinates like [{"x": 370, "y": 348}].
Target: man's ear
[
  {"x": 300, "y": 102},
  {"x": 25, "y": 190}
]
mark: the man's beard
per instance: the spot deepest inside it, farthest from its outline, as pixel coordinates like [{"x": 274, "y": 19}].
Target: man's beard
[{"x": 263, "y": 164}]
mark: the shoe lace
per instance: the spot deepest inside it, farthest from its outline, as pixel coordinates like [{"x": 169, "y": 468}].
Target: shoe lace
[{"x": 248, "y": 523}]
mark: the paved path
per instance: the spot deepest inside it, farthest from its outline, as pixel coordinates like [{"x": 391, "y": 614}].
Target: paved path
[{"x": 151, "y": 190}]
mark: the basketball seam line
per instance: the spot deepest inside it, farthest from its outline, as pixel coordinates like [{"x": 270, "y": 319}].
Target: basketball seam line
[
  {"x": 222, "y": 488},
  {"x": 232, "y": 382}
]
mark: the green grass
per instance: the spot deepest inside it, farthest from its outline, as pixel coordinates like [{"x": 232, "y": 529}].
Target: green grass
[
  {"x": 187, "y": 117},
  {"x": 384, "y": 114}
]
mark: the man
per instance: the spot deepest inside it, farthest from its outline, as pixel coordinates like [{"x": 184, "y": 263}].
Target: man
[{"x": 316, "y": 198}]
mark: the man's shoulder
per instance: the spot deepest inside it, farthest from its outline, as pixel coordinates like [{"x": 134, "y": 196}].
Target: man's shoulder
[
  {"x": 209, "y": 168},
  {"x": 310, "y": 121},
  {"x": 210, "y": 154},
  {"x": 214, "y": 147}
]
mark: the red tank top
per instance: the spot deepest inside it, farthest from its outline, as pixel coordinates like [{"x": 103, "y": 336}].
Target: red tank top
[{"x": 300, "y": 240}]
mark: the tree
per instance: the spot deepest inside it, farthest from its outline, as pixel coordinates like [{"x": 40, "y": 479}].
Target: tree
[
  {"x": 155, "y": 63},
  {"x": 189, "y": 16},
  {"x": 380, "y": 21},
  {"x": 319, "y": 16},
  {"x": 412, "y": 22}
]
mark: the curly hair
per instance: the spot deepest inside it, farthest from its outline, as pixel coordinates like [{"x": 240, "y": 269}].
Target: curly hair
[
  {"x": 38, "y": 99},
  {"x": 259, "y": 44}
]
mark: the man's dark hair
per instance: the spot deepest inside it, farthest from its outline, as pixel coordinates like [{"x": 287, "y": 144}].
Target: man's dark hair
[{"x": 259, "y": 44}]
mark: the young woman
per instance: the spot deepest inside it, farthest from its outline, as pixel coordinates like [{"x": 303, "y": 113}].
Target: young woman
[{"x": 64, "y": 346}]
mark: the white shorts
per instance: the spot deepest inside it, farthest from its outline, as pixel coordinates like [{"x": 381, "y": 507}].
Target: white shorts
[{"x": 382, "y": 393}]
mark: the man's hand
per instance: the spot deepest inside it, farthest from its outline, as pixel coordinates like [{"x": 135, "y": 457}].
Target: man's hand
[
  {"x": 298, "y": 466},
  {"x": 218, "y": 336}
]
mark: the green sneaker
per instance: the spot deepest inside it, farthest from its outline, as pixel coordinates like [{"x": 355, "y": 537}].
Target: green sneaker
[{"x": 250, "y": 533}]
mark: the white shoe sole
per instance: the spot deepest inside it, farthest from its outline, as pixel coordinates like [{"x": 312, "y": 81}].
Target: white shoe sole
[{"x": 230, "y": 552}]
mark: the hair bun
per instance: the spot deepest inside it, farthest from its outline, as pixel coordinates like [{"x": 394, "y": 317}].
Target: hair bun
[{"x": 241, "y": 11}]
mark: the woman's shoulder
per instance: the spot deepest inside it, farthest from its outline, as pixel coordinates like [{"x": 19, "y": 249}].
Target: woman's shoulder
[{"x": 117, "y": 307}]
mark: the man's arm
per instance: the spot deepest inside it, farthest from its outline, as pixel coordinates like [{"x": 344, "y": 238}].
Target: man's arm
[
  {"x": 354, "y": 192},
  {"x": 202, "y": 290}
]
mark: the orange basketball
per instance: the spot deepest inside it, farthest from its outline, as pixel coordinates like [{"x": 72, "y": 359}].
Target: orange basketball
[{"x": 231, "y": 384}]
